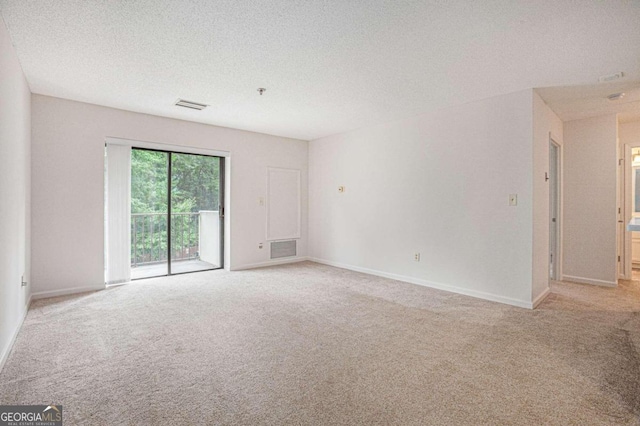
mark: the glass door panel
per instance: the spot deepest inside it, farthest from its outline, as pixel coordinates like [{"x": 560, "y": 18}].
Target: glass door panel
[
  {"x": 149, "y": 213},
  {"x": 195, "y": 216}
]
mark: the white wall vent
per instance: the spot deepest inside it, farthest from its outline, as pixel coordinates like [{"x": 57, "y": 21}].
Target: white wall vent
[
  {"x": 189, "y": 104},
  {"x": 283, "y": 249}
]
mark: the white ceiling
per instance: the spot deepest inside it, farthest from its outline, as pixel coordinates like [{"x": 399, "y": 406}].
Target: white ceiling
[
  {"x": 576, "y": 102},
  {"x": 328, "y": 66}
]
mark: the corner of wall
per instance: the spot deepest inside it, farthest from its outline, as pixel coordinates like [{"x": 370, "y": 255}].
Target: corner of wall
[
  {"x": 546, "y": 126},
  {"x": 403, "y": 166},
  {"x": 15, "y": 190}
]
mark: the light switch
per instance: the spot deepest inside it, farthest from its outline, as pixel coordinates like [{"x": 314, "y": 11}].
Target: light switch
[
  {"x": 513, "y": 199},
  {"x": 261, "y": 201}
]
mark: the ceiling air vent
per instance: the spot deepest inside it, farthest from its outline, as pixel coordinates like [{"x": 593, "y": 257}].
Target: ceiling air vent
[{"x": 189, "y": 104}]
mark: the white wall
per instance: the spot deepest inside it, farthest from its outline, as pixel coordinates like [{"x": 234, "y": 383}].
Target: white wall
[
  {"x": 68, "y": 148},
  {"x": 15, "y": 141},
  {"x": 589, "y": 219},
  {"x": 437, "y": 184},
  {"x": 629, "y": 133},
  {"x": 545, "y": 123}
]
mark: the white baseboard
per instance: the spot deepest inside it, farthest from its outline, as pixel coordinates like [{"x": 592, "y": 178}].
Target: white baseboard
[
  {"x": 66, "y": 291},
  {"x": 5, "y": 355},
  {"x": 591, "y": 281},
  {"x": 541, "y": 297},
  {"x": 269, "y": 263},
  {"x": 431, "y": 284}
]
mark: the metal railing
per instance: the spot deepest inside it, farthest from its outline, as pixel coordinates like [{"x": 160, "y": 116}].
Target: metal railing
[{"x": 149, "y": 237}]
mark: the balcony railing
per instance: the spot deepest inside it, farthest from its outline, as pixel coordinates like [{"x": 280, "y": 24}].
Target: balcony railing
[{"x": 149, "y": 237}]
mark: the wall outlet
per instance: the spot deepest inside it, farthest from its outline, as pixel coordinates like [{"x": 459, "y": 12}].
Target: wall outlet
[
  {"x": 260, "y": 245},
  {"x": 416, "y": 257},
  {"x": 23, "y": 283},
  {"x": 513, "y": 199},
  {"x": 341, "y": 189}
]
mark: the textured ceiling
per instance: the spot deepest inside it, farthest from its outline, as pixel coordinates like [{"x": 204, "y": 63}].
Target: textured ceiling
[
  {"x": 328, "y": 66},
  {"x": 576, "y": 102}
]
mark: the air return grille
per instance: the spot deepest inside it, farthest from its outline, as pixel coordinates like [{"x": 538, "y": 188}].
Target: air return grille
[
  {"x": 283, "y": 249},
  {"x": 189, "y": 104}
]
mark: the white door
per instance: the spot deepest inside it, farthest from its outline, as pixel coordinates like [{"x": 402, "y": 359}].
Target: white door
[
  {"x": 554, "y": 221},
  {"x": 620, "y": 226}
]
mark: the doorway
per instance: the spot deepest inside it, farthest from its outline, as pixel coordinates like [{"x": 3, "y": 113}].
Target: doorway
[
  {"x": 628, "y": 209},
  {"x": 634, "y": 198},
  {"x": 176, "y": 213},
  {"x": 554, "y": 209}
]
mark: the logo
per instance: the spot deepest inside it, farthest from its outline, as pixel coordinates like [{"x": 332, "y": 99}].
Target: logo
[{"x": 30, "y": 415}]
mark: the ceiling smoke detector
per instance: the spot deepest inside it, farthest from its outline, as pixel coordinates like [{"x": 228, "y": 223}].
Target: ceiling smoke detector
[
  {"x": 192, "y": 105},
  {"x": 615, "y": 96}
]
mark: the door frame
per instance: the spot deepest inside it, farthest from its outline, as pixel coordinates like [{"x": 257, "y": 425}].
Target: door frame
[
  {"x": 559, "y": 213},
  {"x": 221, "y": 201},
  {"x": 625, "y": 208},
  {"x": 225, "y": 183}
]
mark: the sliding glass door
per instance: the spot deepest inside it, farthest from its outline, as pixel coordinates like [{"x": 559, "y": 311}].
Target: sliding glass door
[
  {"x": 195, "y": 213},
  {"x": 176, "y": 213},
  {"x": 149, "y": 213}
]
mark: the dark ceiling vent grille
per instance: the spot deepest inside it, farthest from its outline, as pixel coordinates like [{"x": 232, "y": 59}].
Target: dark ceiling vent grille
[{"x": 189, "y": 104}]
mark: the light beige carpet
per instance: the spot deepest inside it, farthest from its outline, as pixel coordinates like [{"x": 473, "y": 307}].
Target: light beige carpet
[{"x": 308, "y": 344}]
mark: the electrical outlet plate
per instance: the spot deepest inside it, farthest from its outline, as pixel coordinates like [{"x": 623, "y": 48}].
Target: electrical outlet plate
[{"x": 416, "y": 257}]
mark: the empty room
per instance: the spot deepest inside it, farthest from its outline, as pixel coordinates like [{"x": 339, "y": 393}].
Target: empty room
[{"x": 312, "y": 212}]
